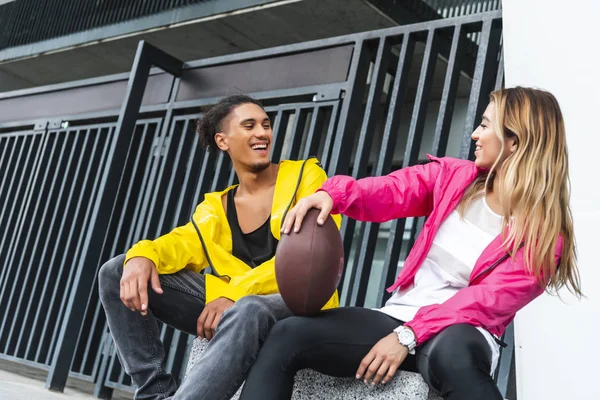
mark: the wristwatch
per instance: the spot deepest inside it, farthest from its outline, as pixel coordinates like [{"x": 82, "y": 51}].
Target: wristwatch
[{"x": 406, "y": 337}]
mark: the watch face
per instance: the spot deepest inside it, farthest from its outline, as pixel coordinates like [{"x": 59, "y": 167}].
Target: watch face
[{"x": 406, "y": 336}]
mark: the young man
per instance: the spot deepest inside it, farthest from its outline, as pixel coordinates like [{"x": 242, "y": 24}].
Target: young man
[{"x": 235, "y": 233}]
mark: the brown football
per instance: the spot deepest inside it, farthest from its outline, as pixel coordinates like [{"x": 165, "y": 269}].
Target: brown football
[{"x": 309, "y": 264}]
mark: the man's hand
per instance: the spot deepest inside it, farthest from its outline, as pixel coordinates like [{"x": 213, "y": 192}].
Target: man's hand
[
  {"x": 134, "y": 283},
  {"x": 211, "y": 315},
  {"x": 382, "y": 362}
]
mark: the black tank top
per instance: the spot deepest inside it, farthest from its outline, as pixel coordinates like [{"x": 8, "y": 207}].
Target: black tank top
[{"x": 253, "y": 248}]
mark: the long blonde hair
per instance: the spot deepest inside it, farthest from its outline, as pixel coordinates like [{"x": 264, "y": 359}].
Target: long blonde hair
[{"x": 534, "y": 185}]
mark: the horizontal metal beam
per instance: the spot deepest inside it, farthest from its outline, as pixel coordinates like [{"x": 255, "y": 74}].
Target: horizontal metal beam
[
  {"x": 135, "y": 26},
  {"x": 277, "y": 51}
]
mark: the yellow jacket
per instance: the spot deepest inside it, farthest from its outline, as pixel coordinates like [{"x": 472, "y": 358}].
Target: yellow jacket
[{"x": 206, "y": 241}]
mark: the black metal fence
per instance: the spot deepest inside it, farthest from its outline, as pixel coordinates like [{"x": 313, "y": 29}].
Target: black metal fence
[
  {"x": 80, "y": 187},
  {"x": 457, "y": 8},
  {"x": 28, "y": 21}
]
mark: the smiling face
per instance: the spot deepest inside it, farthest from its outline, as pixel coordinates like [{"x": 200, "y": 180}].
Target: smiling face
[
  {"x": 246, "y": 136},
  {"x": 488, "y": 143}
]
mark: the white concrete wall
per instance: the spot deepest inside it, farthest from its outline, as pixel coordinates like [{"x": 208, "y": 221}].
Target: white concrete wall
[{"x": 554, "y": 45}]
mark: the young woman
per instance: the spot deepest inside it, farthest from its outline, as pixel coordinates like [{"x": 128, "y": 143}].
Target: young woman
[{"x": 498, "y": 233}]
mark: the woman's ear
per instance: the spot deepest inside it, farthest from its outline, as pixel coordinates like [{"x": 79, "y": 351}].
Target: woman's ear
[
  {"x": 221, "y": 140},
  {"x": 513, "y": 143}
]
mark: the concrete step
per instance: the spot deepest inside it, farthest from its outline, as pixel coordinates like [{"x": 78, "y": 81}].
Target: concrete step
[{"x": 311, "y": 385}]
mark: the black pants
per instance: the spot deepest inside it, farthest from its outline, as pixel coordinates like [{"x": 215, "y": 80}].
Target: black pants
[{"x": 456, "y": 363}]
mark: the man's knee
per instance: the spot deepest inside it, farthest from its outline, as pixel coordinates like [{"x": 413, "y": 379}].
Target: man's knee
[
  {"x": 255, "y": 307},
  {"x": 109, "y": 276},
  {"x": 256, "y": 313}
]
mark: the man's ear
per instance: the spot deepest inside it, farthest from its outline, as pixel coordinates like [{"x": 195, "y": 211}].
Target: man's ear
[{"x": 221, "y": 140}]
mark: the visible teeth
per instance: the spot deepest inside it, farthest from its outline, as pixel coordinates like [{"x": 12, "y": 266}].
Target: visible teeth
[{"x": 259, "y": 147}]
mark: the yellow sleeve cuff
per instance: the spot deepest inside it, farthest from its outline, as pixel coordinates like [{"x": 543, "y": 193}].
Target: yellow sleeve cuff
[
  {"x": 142, "y": 249},
  {"x": 234, "y": 293}
]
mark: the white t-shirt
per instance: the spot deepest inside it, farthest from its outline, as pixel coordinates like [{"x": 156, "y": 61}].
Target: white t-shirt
[{"x": 456, "y": 247}]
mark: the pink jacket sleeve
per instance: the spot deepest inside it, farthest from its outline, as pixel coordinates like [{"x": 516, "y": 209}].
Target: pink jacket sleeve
[
  {"x": 407, "y": 192},
  {"x": 488, "y": 304}
]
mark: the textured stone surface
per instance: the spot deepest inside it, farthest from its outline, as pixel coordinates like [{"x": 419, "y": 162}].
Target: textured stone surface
[{"x": 313, "y": 385}]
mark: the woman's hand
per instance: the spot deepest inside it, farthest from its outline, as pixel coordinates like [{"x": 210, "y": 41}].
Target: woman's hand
[
  {"x": 320, "y": 200},
  {"x": 382, "y": 362}
]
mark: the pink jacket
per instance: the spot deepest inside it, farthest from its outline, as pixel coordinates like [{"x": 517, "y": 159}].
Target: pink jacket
[{"x": 499, "y": 285}]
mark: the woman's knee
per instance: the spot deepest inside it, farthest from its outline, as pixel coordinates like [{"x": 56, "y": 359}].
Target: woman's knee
[
  {"x": 456, "y": 363},
  {"x": 456, "y": 351}
]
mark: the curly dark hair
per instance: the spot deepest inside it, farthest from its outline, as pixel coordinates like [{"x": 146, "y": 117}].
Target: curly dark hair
[{"x": 209, "y": 124}]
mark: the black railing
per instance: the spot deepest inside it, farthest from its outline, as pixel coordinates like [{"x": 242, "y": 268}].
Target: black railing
[
  {"x": 458, "y": 8},
  {"x": 29, "y": 21},
  {"x": 79, "y": 187}
]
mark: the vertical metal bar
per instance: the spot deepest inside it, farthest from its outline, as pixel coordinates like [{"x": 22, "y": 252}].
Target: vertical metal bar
[
  {"x": 506, "y": 358},
  {"x": 444, "y": 120},
  {"x": 109, "y": 187},
  {"x": 12, "y": 249},
  {"x": 338, "y": 160},
  {"x": 314, "y": 134},
  {"x": 279, "y": 130},
  {"x": 25, "y": 249},
  {"x": 46, "y": 192},
  {"x": 483, "y": 80},
  {"x": 175, "y": 171},
  {"x": 350, "y": 113},
  {"x": 71, "y": 231},
  {"x": 165, "y": 166},
  {"x": 101, "y": 391},
  {"x": 68, "y": 218},
  {"x": 4, "y": 142},
  {"x": 392, "y": 120},
  {"x": 500, "y": 76},
  {"x": 19, "y": 149},
  {"x": 88, "y": 345},
  {"x": 411, "y": 154},
  {"x": 74, "y": 255},
  {"x": 147, "y": 186},
  {"x": 221, "y": 169},
  {"x": 365, "y": 138},
  {"x": 67, "y": 175},
  {"x": 131, "y": 174},
  {"x": 297, "y": 132},
  {"x": 417, "y": 123},
  {"x": 232, "y": 178},
  {"x": 177, "y": 353},
  {"x": 202, "y": 184},
  {"x": 330, "y": 137},
  {"x": 365, "y": 253},
  {"x": 177, "y": 217}
]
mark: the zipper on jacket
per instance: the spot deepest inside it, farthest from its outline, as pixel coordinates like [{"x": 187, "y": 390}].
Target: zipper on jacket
[
  {"x": 212, "y": 271},
  {"x": 295, "y": 190},
  {"x": 494, "y": 265},
  {"x": 210, "y": 263}
]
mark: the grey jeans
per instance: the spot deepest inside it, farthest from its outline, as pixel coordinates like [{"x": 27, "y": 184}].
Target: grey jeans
[{"x": 228, "y": 357}]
